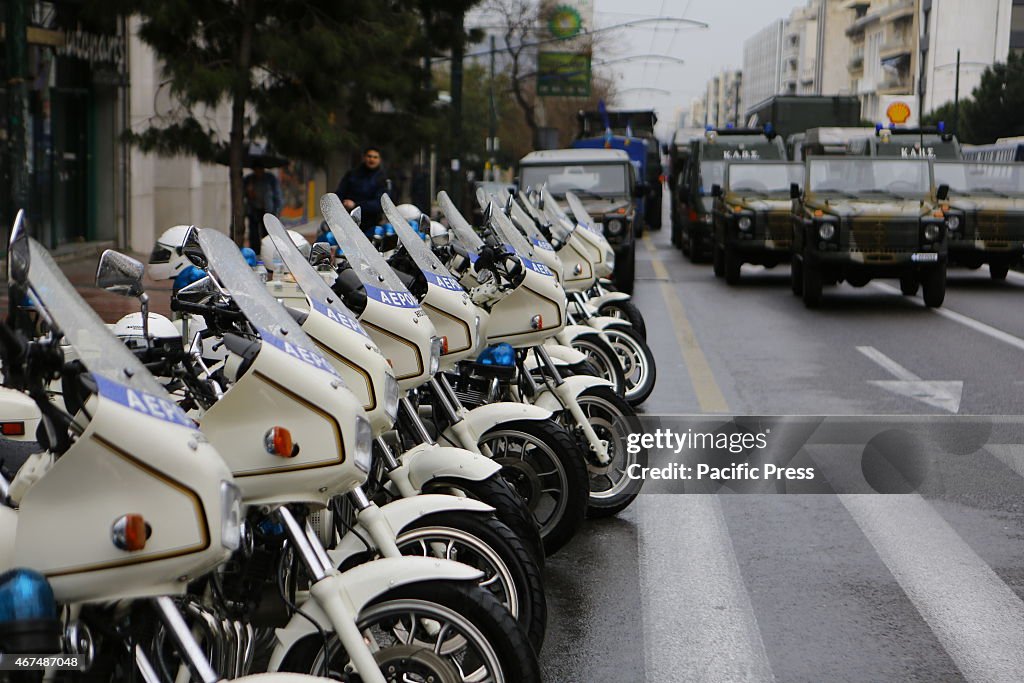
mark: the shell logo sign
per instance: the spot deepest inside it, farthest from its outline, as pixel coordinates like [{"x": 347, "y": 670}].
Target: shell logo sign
[{"x": 898, "y": 112}]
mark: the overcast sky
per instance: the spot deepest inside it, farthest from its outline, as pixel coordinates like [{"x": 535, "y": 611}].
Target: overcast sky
[{"x": 706, "y": 51}]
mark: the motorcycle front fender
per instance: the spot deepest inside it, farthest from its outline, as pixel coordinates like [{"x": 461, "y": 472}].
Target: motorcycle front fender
[
  {"x": 399, "y": 514},
  {"x": 486, "y": 417},
  {"x": 436, "y": 462},
  {"x": 575, "y": 385},
  {"x": 359, "y": 587},
  {"x": 561, "y": 354},
  {"x": 570, "y": 332},
  {"x": 602, "y": 299},
  {"x": 604, "y": 322}
]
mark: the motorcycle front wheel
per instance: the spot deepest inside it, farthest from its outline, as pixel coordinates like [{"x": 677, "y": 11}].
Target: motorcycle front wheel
[
  {"x": 602, "y": 356},
  {"x": 441, "y": 631},
  {"x": 625, "y": 310},
  {"x": 639, "y": 368}
]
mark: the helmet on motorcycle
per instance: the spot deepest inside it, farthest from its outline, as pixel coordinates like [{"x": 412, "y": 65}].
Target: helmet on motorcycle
[
  {"x": 268, "y": 251},
  {"x": 439, "y": 234},
  {"x": 129, "y": 330},
  {"x": 409, "y": 212},
  {"x": 166, "y": 260}
]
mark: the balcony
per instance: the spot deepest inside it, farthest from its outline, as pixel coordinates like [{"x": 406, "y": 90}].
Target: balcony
[
  {"x": 896, "y": 85},
  {"x": 854, "y": 4},
  {"x": 895, "y": 48},
  {"x": 899, "y": 11},
  {"x": 857, "y": 27},
  {"x": 856, "y": 62}
]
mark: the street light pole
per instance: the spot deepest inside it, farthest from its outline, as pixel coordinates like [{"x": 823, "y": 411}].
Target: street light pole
[
  {"x": 458, "y": 51},
  {"x": 492, "y": 132},
  {"x": 17, "y": 102},
  {"x": 956, "y": 98}
]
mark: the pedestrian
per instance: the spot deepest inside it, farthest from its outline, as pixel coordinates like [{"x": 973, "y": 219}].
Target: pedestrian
[
  {"x": 363, "y": 186},
  {"x": 262, "y": 195}
]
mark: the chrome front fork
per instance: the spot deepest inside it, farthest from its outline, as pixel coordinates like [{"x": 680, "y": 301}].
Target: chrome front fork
[{"x": 567, "y": 398}]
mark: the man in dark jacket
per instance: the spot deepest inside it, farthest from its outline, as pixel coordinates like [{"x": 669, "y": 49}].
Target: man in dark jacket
[{"x": 363, "y": 186}]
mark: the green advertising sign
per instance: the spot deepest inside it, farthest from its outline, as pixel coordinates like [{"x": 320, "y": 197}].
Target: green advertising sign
[{"x": 565, "y": 74}]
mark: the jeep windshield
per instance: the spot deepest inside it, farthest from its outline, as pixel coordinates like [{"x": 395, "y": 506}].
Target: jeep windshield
[
  {"x": 974, "y": 178},
  {"x": 711, "y": 173},
  {"x": 601, "y": 180},
  {"x": 763, "y": 179},
  {"x": 863, "y": 178}
]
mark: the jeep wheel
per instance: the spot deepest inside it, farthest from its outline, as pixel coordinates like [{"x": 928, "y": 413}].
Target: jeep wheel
[
  {"x": 934, "y": 285},
  {"x": 732, "y": 265},
  {"x": 693, "y": 249},
  {"x": 718, "y": 261},
  {"x": 812, "y": 285},
  {"x": 796, "y": 277},
  {"x": 998, "y": 271},
  {"x": 908, "y": 284}
]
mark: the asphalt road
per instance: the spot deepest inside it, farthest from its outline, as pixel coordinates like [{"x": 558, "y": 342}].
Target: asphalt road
[{"x": 925, "y": 586}]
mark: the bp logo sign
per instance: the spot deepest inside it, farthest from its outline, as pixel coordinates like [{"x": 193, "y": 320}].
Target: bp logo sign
[{"x": 565, "y": 22}]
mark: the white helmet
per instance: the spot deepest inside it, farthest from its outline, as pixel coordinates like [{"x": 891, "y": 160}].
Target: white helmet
[
  {"x": 268, "y": 252},
  {"x": 166, "y": 260},
  {"x": 439, "y": 234},
  {"x": 129, "y": 330},
  {"x": 409, "y": 212}
]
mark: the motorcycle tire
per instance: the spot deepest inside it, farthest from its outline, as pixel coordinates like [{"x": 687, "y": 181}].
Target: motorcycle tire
[
  {"x": 509, "y": 507},
  {"x": 639, "y": 369},
  {"x": 626, "y": 310},
  {"x": 483, "y": 542},
  {"x": 486, "y": 642},
  {"x": 609, "y": 414},
  {"x": 603, "y": 357},
  {"x": 531, "y": 451}
]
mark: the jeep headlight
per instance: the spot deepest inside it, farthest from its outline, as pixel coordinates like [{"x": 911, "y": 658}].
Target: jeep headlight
[
  {"x": 435, "y": 355},
  {"x": 826, "y": 231},
  {"x": 363, "y": 457},
  {"x": 230, "y": 516},
  {"x": 614, "y": 227},
  {"x": 390, "y": 396},
  {"x": 953, "y": 222},
  {"x": 932, "y": 231},
  {"x": 744, "y": 223},
  {"x": 706, "y": 218}
]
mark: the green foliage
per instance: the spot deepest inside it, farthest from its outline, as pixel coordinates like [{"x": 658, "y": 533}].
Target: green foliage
[{"x": 995, "y": 108}]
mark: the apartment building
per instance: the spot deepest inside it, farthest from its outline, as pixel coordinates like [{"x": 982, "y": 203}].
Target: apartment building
[
  {"x": 722, "y": 99},
  {"x": 763, "y": 63}
]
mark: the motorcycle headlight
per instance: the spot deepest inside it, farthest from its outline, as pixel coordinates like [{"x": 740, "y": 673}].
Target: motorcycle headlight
[
  {"x": 390, "y": 396},
  {"x": 932, "y": 232},
  {"x": 826, "y": 231},
  {"x": 614, "y": 226},
  {"x": 953, "y": 222},
  {"x": 744, "y": 223},
  {"x": 707, "y": 218},
  {"x": 363, "y": 457},
  {"x": 435, "y": 355},
  {"x": 230, "y": 515},
  {"x": 609, "y": 257}
]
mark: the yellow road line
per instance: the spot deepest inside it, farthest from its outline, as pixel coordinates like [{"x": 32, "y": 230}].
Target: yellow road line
[{"x": 709, "y": 395}]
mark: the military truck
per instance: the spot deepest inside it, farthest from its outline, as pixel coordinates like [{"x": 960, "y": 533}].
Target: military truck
[
  {"x": 860, "y": 218},
  {"x": 984, "y": 209},
  {"x": 909, "y": 143},
  {"x": 791, "y": 114},
  {"x": 704, "y": 168},
  {"x": 826, "y": 141},
  {"x": 753, "y": 216}
]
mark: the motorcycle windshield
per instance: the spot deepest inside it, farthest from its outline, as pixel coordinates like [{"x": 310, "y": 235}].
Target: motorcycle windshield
[
  {"x": 321, "y": 298},
  {"x": 583, "y": 216},
  {"x": 119, "y": 375},
  {"x": 460, "y": 226},
  {"x": 515, "y": 242},
  {"x": 525, "y": 221},
  {"x": 380, "y": 282},
  {"x": 560, "y": 221},
  {"x": 431, "y": 267},
  {"x": 272, "y": 322}
]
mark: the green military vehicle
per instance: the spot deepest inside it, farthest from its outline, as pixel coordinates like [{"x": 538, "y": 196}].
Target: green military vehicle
[
  {"x": 753, "y": 216},
  {"x": 931, "y": 142},
  {"x": 704, "y": 168},
  {"x": 984, "y": 213},
  {"x": 860, "y": 218}
]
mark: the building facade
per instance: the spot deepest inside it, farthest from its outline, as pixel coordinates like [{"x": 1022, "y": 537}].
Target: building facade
[{"x": 763, "y": 63}]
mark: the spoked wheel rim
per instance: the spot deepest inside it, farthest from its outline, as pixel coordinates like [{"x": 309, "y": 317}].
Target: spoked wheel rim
[
  {"x": 600, "y": 360},
  {"x": 609, "y": 481},
  {"x": 459, "y": 546},
  {"x": 533, "y": 470},
  {"x": 632, "y": 358},
  {"x": 449, "y": 647}
]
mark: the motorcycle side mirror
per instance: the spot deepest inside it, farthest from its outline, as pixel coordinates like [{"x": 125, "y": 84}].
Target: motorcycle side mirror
[
  {"x": 120, "y": 274},
  {"x": 716, "y": 190},
  {"x": 197, "y": 291},
  {"x": 424, "y": 224},
  {"x": 319, "y": 255},
  {"x": 943, "y": 192},
  {"x": 192, "y": 250},
  {"x": 488, "y": 212},
  {"x": 18, "y": 258},
  {"x": 794, "y": 191},
  {"x": 357, "y": 215}
]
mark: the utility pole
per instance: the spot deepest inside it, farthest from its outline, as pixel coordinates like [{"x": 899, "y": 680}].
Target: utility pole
[
  {"x": 458, "y": 52},
  {"x": 17, "y": 102}
]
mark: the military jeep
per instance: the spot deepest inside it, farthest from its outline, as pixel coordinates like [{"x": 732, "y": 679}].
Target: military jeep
[
  {"x": 860, "y": 218},
  {"x": 984, "y": 213},
  {"x": 752, "y": 216}
]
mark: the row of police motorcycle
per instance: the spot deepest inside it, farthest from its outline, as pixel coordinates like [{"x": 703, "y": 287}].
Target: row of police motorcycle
[{"x": 351, "y": 470}]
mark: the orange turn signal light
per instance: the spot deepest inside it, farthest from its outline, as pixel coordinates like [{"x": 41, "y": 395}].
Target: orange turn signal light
[
  {"x": 818, "y": 213},
  {"x": 444, "y": 344},
  {"x": 130, "y": 532},
  {"x": 938, "y": 214},
  {"x": 278, "y": 441}
]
